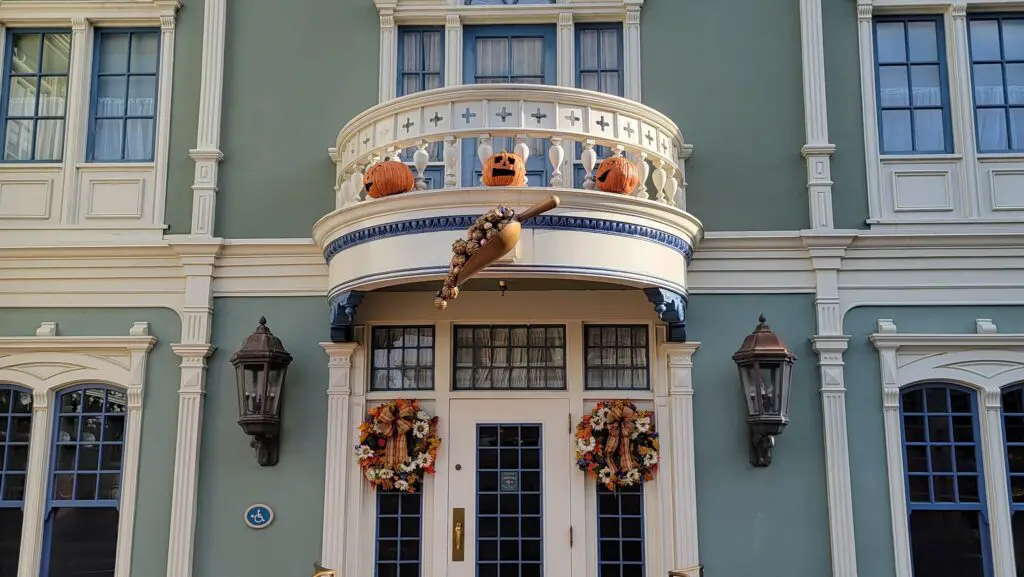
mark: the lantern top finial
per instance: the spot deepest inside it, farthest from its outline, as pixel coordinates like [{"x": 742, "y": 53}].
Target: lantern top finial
[
  {"x": 762, "y": 343},
  {"x": 262, "y": 344},
  {"x": 761, "y": 319},
  {"x": 263, "y": 322}
]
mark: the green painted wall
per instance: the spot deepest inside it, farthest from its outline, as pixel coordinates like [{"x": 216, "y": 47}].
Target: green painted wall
[
  {"x": 728, "y": 73},
  {"x": 188, "y": 54},
  {"x": 159, "y": 416},
  {"x": 295, "y": 72},
  {"x": 773, "y": 521},
  {"x": 868, "y": 475},
  {"x": 230, "y": 479},
  {"x": 845, "y": 119}
]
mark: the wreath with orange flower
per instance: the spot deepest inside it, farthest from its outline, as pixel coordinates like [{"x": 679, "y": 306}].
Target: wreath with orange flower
[
  {"x": 398, "y": 445},
  {"x": 617, "y": 445}
]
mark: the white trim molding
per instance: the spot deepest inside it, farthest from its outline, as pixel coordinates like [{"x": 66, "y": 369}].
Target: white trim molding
[
  {"x": 985, "y": 362},
  {"x": 74, "y": 200},
  {"x": 207, "y": 154},
  {"x": 338, "y": 460},
  {"x": 45, "y": 364},
  {"x": 817, "y": 151}
]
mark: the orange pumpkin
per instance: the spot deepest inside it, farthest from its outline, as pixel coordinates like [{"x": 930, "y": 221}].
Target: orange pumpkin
[
  {"x": 617, "y": 174},
  {"x": 505, "y": 169},
  {"x": 387, "y": 178}
]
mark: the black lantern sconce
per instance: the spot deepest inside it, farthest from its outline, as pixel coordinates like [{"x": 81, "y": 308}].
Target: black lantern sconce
[
  {"x": 766, "y": 373},
  {"x": 260, "y": 367}
]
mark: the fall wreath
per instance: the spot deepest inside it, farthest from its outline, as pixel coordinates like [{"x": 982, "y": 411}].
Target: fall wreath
[
  {"x": 397, "y": 445},
  {"x": 617, "y": 444}
]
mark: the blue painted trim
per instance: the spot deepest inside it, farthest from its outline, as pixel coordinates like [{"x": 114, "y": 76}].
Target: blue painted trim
[
  {"x": 537, "y": 167},
  {"x": 127, "y": 75},
  {"x": 940, "y": 40},
  {"x": 1014, "y": 389},
  {"x": 8, "y": 56},
  {"x": 670, "y": 307},
  {"x": 343, "y": 314},
  {"x": 932, "y": 505},
  {"x": 544, "y": 222},
  {"x": 1003, "y": 61}
]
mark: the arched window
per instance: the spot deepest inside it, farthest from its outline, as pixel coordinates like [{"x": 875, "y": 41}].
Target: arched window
[
  {"x": 15, "y": 430},
  {"x": 1013, "y": 436},
  {"x": 948, "y": 519},
  {"x": 83, "y": 497}
]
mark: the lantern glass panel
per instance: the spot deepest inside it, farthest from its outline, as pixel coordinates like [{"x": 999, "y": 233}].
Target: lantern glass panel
[
  {"x": 783, "y": 388},
  {"x": 275, "y": 381},
  {"x": 255, "y": 386}
]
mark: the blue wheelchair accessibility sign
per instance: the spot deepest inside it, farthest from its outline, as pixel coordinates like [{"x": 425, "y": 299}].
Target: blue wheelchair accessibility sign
[{"x": 258, "y": 516}]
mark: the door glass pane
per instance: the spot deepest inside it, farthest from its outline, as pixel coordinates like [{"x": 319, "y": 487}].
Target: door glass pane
[
  {"x": 509, "y": 537},
  {"x": 83, "y": 541}
]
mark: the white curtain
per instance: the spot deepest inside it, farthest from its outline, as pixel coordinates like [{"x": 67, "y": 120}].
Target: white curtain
[
  {"x": 998, "y": 83},
  {"x": 599, "y": 51},
  {"x": 50, "y": 132},
  {"x": 137, "y": 132},
  {"x": 421, "y": 70},
  {"x": 511, "y": 60}
]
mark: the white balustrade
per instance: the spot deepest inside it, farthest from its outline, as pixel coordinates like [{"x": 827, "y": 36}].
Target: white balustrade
[{"x": 560, "y": 116}]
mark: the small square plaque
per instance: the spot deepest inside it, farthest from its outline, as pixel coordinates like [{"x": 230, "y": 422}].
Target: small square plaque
[{"x": 509, "y": 481}]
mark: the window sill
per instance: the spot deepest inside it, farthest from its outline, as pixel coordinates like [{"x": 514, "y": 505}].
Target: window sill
[
  {"x": 147, "y": 165},
  {"x": 1001, "y": 156},
  {"x": 891, "y": 158}
]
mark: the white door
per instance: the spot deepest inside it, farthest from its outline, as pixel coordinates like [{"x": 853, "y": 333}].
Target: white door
[{"x": 508, "y": 494}]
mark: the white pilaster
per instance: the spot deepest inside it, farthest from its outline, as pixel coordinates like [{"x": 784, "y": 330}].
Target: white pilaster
[
  {"x": 453, "y": 50},
  {"x": 817, "y": 151},
  {"x": 866, "y": 44},
  {"x": 961, "y": 104},
  {"x": 76, "y": 121},
  {"x": 130, "y": 464},
  {"x": 34, "y": 505},
  {"x": 339, "y": 454},
  {"x": 207, "y": 154},
  {"x": 387, "y": 82},
  {"x": 631, "y": 53},
  {"x": 829, "y": 343},
  {"x": 678, "y": 456},
  {"x": 894, "y": 450},
  {"x": 194, "y": 349},
  {"x": 566, "y": 50},
  {"x": 163, "y": 128},
  {"x": 996, "y": 493}
]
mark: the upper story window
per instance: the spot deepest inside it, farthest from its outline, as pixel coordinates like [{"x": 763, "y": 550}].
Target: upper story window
[
  {"x": 599, "y": 57},
  {"x": 421, "y": 67},
  {"x": 36, "y": 68},
  {"x": 910, "y": 74},
  {"x": 948, "y": 518},
  {"x": 124, "y": 86},
  {"x": 997, "y": 70},
  {"x": 15, "y": 430}
]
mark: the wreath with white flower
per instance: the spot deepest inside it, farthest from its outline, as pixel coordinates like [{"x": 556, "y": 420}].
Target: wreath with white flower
[
  {"x": 398, "y": 445},
  {"x": 617, "y": 445}
]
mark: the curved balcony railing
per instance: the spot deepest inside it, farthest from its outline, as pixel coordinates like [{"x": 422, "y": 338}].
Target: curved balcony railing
[{"x": 475, "y": 115}]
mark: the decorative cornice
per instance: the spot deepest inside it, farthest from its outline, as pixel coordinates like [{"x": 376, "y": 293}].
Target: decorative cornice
[{"x": 548, "y": 222}]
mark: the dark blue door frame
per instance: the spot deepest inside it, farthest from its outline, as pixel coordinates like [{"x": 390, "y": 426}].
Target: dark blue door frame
[{"x": 537, "y": 168}]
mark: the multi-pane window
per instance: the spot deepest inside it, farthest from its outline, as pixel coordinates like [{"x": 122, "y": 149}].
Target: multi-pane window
[
  {"x": 948, "y": 519},
  {"x": 913, "y": 102},
  {"x": 1013, "y": 435},
  {"x": 123, "y": 111},
  {"x": 620, "y": 531},
  {"x": 399, "y": 534},
  {"x": 84, "y": 489},
  {"x": 421, "y": 67},
  {"x": 617, "y": 357},
  {"x": 498, "y": 2},
  {"x": 35, "y": 94},
  {"x": 997, "y": 72},
  {"x": 598, "y": 68},
  {"x": 403, "y": 359},
  {"x": 15, "y": 429},
  {"x": 510, "y": 357}
]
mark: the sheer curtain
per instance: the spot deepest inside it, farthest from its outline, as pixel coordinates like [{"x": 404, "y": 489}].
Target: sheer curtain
[
  {"x": 420, "y": 65},
  {"x": 124, "y": 111},
  {"x": 998, "y": 75},
  {"x": 38, "y": 90},
  {"x": 511, "y": 60}
]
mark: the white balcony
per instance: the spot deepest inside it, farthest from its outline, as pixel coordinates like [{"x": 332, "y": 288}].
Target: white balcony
[{"x": 642, "y": 239}]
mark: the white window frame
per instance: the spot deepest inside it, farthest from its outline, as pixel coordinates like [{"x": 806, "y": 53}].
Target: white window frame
[
  {"x": 74, "y": 199},
  {"x": 985, "y": 362},
  {"x": 921, "y": 192}
]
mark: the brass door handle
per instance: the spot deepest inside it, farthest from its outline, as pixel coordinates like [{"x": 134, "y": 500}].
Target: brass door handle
[{"x": 458, "y": 534}]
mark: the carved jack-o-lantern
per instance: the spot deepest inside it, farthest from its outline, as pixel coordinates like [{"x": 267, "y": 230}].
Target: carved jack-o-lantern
[
  {"x": 617, "y": 174},
  {"x": 387, "y": 178},
  {"x": 505, "y": 169}
]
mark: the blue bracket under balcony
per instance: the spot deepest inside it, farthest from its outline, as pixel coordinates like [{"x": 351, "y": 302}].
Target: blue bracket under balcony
[
  {"x": 671, "y": 309},
  {"x": 343, "y": 315}
]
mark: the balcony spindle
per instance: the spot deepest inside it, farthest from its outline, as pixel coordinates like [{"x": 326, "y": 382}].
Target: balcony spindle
[
  {"x": 420, "y": 159},
  {"x": 523, "y": 150},
  {"x": 451, "y": 161},
  {"x": 589, "y": 158},
  {"x": 556, "y": 154},
  {"x": 671, "y": 186},
  {"x": 643, "y": 168},
  {"x": 355, "y": 186},
  {"x": 483, "y": 152},
  {"x": 659, "y": 177}
]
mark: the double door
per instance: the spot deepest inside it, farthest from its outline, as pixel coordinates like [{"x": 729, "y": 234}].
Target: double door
[
  {"x": 508, "y": 489},
  {"x": 516, "y": 55}
]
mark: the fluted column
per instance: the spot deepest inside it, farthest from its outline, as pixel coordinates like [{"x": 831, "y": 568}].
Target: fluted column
[
  {"x": 207, "y": 154},
  {"x": 339, "y": 451},
  {"x": 163, "y": 129},
  {"x": 388, "y": 59},
  {"x": 682, "y": 514},
  {"x": 631, "y": 53},
  {"x": 34, "y": 505}
]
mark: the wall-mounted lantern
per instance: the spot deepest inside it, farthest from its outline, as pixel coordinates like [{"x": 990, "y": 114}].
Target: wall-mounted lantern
[
  {"x": 766, "y": 372},
  {"x": 260, "y": 367}
]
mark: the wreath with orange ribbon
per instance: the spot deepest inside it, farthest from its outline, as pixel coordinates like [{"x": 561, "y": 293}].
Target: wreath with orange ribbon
[
  {"x": 617, "y": 445},
  {"x": 398, "y": 445}
]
